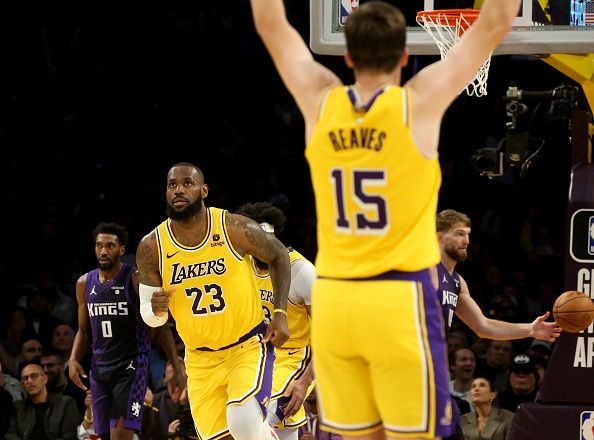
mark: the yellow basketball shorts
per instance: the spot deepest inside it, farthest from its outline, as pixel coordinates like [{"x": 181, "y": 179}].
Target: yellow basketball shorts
[
  {"x": 379, "y": 356},
  {"x": 289, "y": 365},
  {"x": 225, "y": 377}
]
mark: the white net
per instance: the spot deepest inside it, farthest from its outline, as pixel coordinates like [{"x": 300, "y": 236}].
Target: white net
[{"x": 446, "y": 29}]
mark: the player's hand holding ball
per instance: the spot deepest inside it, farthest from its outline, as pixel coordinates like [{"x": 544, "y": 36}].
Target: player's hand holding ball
[{"x": 573, "y": 311}]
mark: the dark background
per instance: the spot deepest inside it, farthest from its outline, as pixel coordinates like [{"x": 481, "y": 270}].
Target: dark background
[{"x": 98, "y": 101}]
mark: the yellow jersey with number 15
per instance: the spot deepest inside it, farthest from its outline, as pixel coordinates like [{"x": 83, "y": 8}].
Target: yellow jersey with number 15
[
  {"x": 215, "y": 300},
  {"x": 376, "y": 194}
]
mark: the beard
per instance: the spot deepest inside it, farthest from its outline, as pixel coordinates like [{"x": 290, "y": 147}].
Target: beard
[
  {"x": 106, "y": 265},
  {"x": 458, "y": 255},
  {"x": 188, "y": 211}
]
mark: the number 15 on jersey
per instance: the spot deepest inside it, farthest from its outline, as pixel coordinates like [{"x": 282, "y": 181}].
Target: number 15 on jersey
[{"x": 369, "y": 212}]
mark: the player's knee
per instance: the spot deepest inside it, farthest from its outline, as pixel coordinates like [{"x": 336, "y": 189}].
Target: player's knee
[
  {"x": 287, "y": 434},
  {"x": 244, "y": 423}
]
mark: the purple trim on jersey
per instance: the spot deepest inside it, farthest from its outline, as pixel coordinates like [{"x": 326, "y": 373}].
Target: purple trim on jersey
[
  {"x": 423, "y": 276},
  {"x": 437, "y": 347},
  {"x": 363, "y": 108},
  {"x": 447, "y": 294},
  {"x": 259, "y": 329}
]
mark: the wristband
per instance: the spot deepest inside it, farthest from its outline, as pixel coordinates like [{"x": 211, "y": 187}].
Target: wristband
[
  {"x": 146, "y": 308},
  {"x": 284, "y": 312}
]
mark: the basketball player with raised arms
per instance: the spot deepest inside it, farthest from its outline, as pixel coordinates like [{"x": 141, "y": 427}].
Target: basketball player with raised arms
[
  {"x": 194, "y": 265},
  {"x": 372, "y": 151},
  {"x": 292, "y": 380},
  {"x": 453, "y": 236},
  {"x": 109, "y": 321}
]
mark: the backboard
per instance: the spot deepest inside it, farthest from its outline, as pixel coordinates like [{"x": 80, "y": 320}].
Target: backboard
[{"x": 564, "y": 26}]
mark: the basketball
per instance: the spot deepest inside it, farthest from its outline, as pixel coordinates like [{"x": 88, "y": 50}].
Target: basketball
[{"x": 573, "y": 311}]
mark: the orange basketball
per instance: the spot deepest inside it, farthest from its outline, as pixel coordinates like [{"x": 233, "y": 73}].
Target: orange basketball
[{"x": 573, "y": 311}]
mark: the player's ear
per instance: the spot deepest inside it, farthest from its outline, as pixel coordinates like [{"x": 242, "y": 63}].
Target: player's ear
[
  {"x": 404, "y": 58},
  {"x": 122, "y": 250},
  {"x": 204, "y": 190},
  {"x": 439, "y": 237},
  {"x": 348, "y": 60}
]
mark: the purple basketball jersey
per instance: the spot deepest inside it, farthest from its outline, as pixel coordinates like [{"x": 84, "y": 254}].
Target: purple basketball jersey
[
  {"x": 447, "y": 294},
  {"x": 118, "y": 331}
]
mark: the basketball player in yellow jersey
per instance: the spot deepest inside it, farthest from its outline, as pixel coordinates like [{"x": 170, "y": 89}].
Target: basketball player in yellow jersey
[
  {"x": 194, "y": 264},
  {"x": 377, "y": 333},
  {"x": 292, "y": 380}
]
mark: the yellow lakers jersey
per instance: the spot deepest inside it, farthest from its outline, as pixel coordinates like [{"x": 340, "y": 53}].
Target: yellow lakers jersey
[
  {"x": 215, "y": 300},
  {"x": 297, "y": 317},
  {"x": 376, "y": 194}
]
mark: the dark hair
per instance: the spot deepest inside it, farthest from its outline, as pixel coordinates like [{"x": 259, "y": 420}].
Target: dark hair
[
  {"x": 52, "y": 352},
  {"x": 264, "y": 212},
  {"x": 488, "y": 380},
  {"x": 112, "y": 228},
  {"x": 188, "y": 164},
  {"x": 452, "y": 354},
  {"x": 375, "y": 36},
  {"x": 448, "y": 218}
]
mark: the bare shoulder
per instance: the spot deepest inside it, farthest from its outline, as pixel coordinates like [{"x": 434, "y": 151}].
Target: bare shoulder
[
  {"x": 146, "y": 253},
  {"x": 247, "y": 237},
  {"x": 82, "y": 280},
  {"x": 235, "y": 221},
  {"x": 463, "y": 285},
  {"x": 242, "y": 228},
  {"x": 81, "y": 287}
]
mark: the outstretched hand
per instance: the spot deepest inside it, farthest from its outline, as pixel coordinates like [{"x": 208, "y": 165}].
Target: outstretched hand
[
  {"x": 545, "y": 331},
  {"x": 75, "y": 371},
  {"x": 278, "y": 331}
]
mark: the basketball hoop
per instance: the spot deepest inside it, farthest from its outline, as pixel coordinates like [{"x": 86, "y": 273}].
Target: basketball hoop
[{"x": 446, "y": 27}]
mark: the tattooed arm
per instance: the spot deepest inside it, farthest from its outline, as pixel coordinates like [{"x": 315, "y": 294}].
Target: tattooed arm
[
  {"x": 147, "y": 261},
  {"x": 150, "y": 283},
  {"x": 247, "y": 237}
]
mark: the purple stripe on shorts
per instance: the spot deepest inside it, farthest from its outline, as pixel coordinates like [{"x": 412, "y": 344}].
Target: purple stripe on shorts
[
  {"x": 444, "y": 425},
  {"x": 263, "y": 396}
]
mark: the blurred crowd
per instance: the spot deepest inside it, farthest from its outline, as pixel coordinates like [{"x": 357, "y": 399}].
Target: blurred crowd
[{"x": 120, "y": 85}]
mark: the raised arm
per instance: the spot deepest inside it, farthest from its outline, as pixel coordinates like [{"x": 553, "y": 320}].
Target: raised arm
[
  {"x": 82, "y": 340},
  {"x": 469, "y": 312},
  {"x": 248, "y": 237},
  {"x": 304, "y": 77},
  {"x": 434, "y": 88}
]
